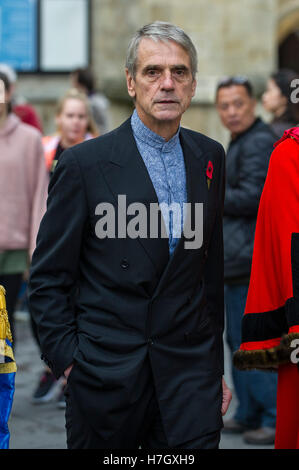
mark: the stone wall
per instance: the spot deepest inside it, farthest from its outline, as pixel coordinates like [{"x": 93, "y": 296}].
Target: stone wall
[{"x": 232, "y": 37}]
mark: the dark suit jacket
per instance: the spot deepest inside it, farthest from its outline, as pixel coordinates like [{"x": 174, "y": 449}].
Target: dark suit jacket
[{"x": 115, "y": 306}]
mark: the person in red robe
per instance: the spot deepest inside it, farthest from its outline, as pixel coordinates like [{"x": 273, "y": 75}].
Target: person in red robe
[{"x": 270, "y": 328}]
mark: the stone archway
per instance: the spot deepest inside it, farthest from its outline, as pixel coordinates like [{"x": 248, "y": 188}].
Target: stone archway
[{"x": 288, "y": 35}]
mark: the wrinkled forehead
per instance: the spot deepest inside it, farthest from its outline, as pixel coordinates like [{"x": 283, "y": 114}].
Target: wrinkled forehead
[{"x": 161, "y": 52}]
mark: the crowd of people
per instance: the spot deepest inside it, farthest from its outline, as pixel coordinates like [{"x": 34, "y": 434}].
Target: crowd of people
[{"x": 29, "y": 159}]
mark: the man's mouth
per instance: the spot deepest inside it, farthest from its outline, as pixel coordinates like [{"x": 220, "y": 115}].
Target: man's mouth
[{"x": 167, "y": 102}]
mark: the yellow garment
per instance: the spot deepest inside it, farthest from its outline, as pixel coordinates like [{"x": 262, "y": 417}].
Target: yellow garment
[{"x": 5, "y": 334}]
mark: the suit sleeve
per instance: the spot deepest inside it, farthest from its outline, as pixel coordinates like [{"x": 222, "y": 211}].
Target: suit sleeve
[
  {"x": 55, "y": 264},
  {"x": 214, "y": 268}
]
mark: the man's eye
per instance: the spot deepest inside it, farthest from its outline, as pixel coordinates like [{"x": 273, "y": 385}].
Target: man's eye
[
  {"x": 180, "y": 74},
  {"x": 152, "y": 73}
]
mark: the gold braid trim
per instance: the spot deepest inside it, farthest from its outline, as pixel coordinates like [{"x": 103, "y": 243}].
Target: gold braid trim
[
  {"x": 8, "y": 367},
  {"x": 6, "y": 352},
  {"x": 266, "y": 358},
  {"x": 5, "y": 331}
]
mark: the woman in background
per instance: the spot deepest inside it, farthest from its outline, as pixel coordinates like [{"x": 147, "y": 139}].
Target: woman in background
[
  {"x": 277, "y": 100},
  {"x": 23, "y": 193},
  {"x": 74, "y": 124}
]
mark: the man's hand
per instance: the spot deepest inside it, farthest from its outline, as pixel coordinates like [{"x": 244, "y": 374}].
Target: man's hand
[
  {"x": 68, "y": 371},
  {"x": 226, "y": 397}
]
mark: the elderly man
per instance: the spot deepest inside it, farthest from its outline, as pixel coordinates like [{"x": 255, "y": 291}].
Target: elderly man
[
  {"x": 247, "y": 161},
  {"x": 134, "y": 317}
]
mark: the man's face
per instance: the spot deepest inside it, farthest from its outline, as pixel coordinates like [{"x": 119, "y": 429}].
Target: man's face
[
  {"x": 236, "y": 108},
  {"x": 163, "y": 86}
]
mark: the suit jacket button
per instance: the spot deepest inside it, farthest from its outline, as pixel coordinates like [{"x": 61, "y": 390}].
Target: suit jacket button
[{"x": 124, "y": 263}]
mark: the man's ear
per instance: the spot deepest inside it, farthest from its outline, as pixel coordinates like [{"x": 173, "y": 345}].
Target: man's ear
[
  {"x": 194, "y": 84},
  {"x": 130, "y": 84}
]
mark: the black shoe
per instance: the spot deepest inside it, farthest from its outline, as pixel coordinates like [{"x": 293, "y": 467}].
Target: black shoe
[{"x": 47, "y": 389}]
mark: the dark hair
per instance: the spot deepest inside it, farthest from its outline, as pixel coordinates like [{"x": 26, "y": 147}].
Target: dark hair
[
  {"x": 227, "y": 82},
  {"x": 85, "y": 78},
  {"x": 283, "y": 78},
  {"x": 7, "y": 86}
]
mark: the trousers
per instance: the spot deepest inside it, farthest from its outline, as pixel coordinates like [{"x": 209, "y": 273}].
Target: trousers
[{"x": 143, "y": 428}]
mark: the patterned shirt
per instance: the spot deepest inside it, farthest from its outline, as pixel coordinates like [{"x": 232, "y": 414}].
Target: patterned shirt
[{"x": 166, "y": 167}]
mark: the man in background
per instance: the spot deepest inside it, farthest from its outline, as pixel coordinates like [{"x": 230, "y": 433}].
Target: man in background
[{"x": 247, "y": 161}]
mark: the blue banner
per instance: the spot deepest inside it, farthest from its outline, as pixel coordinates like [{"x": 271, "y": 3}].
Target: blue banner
[{"x": 18, "y": 34}]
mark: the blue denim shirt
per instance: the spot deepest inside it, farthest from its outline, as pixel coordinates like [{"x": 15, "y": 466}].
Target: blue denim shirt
[{"x": 166, "y": 167}]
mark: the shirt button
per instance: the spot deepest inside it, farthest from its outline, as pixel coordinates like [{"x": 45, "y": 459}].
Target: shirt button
[
  {"x": 124, "y": 263},
  {"x": 150, "y": 341}
]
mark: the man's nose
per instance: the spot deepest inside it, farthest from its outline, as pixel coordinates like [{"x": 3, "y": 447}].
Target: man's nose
[
  {"x": 167, "y": 82},
  {"x": 231, "y": 111}
]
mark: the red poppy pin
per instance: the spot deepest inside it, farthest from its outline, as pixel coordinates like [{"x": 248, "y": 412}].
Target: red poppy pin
[{"x": 209, "y": 173}]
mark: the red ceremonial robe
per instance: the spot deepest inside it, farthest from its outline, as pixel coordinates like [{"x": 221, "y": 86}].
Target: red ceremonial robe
[{"x": 270, "y": 328}]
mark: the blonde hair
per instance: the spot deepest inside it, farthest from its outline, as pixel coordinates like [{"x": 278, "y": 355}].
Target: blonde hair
[{"x": 74, "y": 93}]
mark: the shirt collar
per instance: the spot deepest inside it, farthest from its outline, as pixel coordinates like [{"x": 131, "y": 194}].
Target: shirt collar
[{"x": 146, "y": 135}]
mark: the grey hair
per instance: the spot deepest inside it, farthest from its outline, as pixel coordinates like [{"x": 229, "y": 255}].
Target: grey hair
[{"x": 160, "y": 31}]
